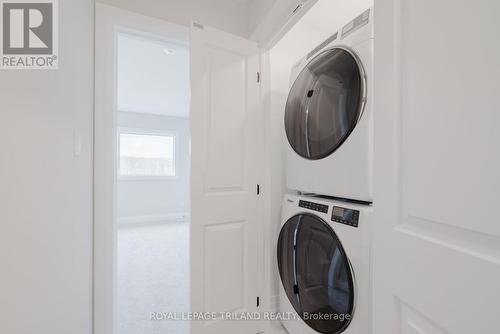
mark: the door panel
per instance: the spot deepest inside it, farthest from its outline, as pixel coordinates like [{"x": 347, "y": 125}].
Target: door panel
[
  {"x": 226, "y": 135},
  {"x": 437, "y": 256},
  {"x": 226, "y": 143},
  {"x": 225, "y": 270}
]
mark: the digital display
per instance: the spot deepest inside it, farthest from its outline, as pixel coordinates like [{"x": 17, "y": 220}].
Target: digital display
[
  {"x": 337, "y": 211},
  {"x": 345, "y": 216}
]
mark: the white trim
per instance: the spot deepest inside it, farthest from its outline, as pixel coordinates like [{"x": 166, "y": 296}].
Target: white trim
[
  {"x": 132, "y": 178},
  {"x": 267, "y": 223},
  {"x": 164, "y": 218},
  {"x": 153, "y": 114},
  {"x": 146, "y": 131}
]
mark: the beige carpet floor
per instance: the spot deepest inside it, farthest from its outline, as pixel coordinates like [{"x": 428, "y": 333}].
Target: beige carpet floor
[{"x": 153, "y": 276}]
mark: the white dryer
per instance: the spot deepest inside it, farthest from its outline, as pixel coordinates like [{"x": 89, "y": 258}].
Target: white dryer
[
  {"x": 328, "y": 116},
  {"x": 323, "y": 255}
]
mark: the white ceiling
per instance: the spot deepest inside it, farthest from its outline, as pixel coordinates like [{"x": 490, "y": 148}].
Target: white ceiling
[{"x": 149, "y": 79}]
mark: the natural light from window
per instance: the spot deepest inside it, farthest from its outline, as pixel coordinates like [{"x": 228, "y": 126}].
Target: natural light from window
[{"x": 147, "y": 155}]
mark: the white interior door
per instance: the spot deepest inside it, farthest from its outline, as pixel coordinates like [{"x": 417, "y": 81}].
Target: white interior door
[
  {"x": 437, "y": 163},
  {"x": 226, "y": 138}
]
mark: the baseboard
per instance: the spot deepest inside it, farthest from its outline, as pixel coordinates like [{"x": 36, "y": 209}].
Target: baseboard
[{"x": 151, "y": 219}]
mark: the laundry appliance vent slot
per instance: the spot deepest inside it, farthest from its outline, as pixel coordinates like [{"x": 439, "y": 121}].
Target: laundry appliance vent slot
[
  {"x": 357, "y": 23},
  {"x": 322, "y": 45}
]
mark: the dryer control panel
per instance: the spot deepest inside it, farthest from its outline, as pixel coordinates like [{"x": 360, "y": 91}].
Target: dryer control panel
[
  {"x": 345, "y": 216},
  {"x": 313, "y": 206}
]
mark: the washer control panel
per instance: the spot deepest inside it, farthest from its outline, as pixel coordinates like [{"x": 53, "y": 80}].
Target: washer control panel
[
  {"x": 345, "y": 216},
  {"x": 313, "y": 206}
]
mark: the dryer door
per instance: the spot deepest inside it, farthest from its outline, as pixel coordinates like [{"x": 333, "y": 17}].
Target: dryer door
[
  {"x": 316, "y": 273},
  {"x": 325, "y": 103}
]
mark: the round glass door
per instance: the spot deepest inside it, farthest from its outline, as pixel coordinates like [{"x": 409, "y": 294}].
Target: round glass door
[
  {"x": 325, "y": 103},
  {"x": 316, "y": 273}
]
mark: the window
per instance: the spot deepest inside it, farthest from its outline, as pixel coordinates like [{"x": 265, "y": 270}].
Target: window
[{"x": 147, "y": 155}]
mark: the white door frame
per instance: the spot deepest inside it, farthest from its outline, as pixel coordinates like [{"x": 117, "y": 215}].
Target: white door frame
[{"x": 109, "y": 22}]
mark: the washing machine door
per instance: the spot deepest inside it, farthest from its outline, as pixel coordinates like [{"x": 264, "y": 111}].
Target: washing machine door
[
  {"x": 316, "y": 273},
  {"x": 325, "y": 103}
]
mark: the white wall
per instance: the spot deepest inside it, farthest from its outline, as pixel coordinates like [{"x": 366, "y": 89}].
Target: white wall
[
  {"x": 157, "y": 199},
  {"x": 268, "y": 23},
  {"x": 258, "y": 10},
  {"x": 46, "y": 191},
  {"x": 150, "y": 80}
]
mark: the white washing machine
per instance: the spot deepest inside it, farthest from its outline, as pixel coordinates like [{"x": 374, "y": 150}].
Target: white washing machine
[
  {"x": 324, "y": 263},
  {"x": 328, "y": 116}
]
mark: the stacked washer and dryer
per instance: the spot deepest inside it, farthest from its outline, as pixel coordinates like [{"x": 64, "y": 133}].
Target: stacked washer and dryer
[{"x": 324, "y": 244}]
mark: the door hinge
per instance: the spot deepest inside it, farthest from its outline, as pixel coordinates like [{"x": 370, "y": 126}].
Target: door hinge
[
  {"x": 258, "y": 189},
  {"x": 258, "y": 76},
  {"x": 258, "y": 301}
]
